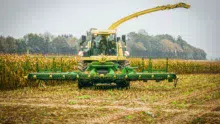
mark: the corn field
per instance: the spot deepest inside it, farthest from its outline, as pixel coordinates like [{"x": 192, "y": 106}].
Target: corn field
[{"x": 13, "y": 68}]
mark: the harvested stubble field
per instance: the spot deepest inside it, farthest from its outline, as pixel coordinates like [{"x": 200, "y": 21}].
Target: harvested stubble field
[{"x": 196, "y": 99}]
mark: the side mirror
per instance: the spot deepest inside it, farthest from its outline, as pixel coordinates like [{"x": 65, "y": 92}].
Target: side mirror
[
  {"x": 93, "y": 37},
  {"x": 124, "y": 38},
  {"x": 118, "y": 38},
  {"x": 83, "y": 39}
]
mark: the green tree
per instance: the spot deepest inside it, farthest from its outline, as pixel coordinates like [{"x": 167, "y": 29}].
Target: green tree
[
  {"x": 10, "y": 45},
  {"x": 59, "y": 45},
  {"x": 35, "y": 43},
  {"x": 2, "y": 44}
]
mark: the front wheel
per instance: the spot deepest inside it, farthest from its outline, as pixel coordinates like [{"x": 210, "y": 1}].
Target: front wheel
[
  {"x": 82, "y": 83},
  {"x": 123, "y": 84}
]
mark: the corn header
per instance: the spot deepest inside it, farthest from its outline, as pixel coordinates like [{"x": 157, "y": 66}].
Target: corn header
[{"x": 103, "y": 59}]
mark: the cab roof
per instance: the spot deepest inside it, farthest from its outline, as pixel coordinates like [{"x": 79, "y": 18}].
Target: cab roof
[{"x": 103, "y": 31}]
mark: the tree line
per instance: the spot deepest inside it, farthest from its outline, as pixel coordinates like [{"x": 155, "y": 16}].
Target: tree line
[
  {"x": 160, "y": 46},
  {"x": 138, "y": 43},
  {"x": 39, "y": 44}
]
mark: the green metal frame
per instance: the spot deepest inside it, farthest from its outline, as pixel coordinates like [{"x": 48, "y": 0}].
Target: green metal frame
[{"x": 114, "y": 73}]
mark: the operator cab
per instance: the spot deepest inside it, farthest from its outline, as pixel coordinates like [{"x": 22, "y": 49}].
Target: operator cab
[
  {"x": 103, "y": 45},
  {"x": 102, "y": 42}
]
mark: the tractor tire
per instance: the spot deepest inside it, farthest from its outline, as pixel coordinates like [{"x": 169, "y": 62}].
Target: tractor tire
[
  {"x": 123, "y": 84},
  {"x": 82, "y": 66},
  {"x": 127, "y": 85},
  {"x": 82, "y": 83}
]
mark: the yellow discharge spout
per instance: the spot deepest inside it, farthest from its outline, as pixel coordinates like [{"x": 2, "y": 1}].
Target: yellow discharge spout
[{"x": 158, "y": 8}]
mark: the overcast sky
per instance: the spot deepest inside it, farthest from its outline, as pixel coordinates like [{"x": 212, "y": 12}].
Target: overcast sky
[{"x": 199, "y": 25}]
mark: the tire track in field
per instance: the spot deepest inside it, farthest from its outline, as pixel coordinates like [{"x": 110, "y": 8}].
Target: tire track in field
[
  {"x": 127, "y": 110},
  {"x": 182, "y": 97},
  {"x": 108, "y": 118},
  {"x": 86, "y": 106},
  {"x": 113, "y": 117},
  {"x": 185, "y": 117}
]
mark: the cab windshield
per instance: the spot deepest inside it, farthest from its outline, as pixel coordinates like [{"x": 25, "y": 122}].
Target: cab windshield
[{"x": 103, "y": 45}]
